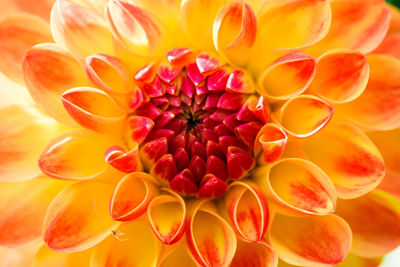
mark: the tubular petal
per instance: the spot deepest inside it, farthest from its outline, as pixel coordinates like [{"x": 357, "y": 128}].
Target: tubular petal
[
  {"x": 234, "y": 31},
  {"x": 23, "y": 207},
  {"x": 21, "y": 141},
  {"x": 132, "y": 196},
  {"x": 179, "y": 256},
  {"x": 132, "y": 244},
  {"x": 348, "y": 157},
  {"x": 374, "y": 220},
  {"x": 18, "y": 33},
  {"x": 78, "y": 217},
  {"x": 304, "y": 115},
  {"x": 297, "y": 186},
  {"x": 299, "y": 240},
  {"x": 341, "y": 76},
  {"x": 303, "y": 22},
  {"x": 254, "y": 255},
  {"x": 287, "y": 77},
  {"x": 378, "y": 107},
  {"x": 390, "y": 45},
  {"x": 47, "y": 257},
  {"x": 93, "y": 109},
  {"x": 75, "y": 155},
  {"x": 248, "y": 211},
  {"x": 271, "y": 140},
  {"x": 49, "y": 71}
]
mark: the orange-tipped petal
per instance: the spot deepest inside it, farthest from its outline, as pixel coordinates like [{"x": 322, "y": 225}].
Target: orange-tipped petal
[
  {"x": 297, "y": 186},
  {"x": 23, "y": 207},
  {"x": 248, "y": 211},
  {"x": 211, "y": 240},
  {"x": 348, "y": 157},
  {"x": 124, "y": 161},
  {"x": 340, "y": 84},
  {"x": 77, "y": 28},
  {"x": 390, "y": 45},
  {"x": 254, "y": 255},
  {"x": 374, "y": 220},
  {"x": 178, "y": 256},
  {"x": 378, "y": 108},
  {"x": 304, "y": 115},
  {"x": 93, "y": 109},
  {"x": 287, "y": 77},
  {"x": 49, "y": 71},
  {"x": 312, "y": 240},
  {"x": 78, "y": 217},
  {"x": 75, "y": 155},
  {"x": 271, "y": 141},
  {"x": 167, "y": 217},
  {"x": 234, "y": 31},
  {"x": 39, "y": 8},
  {"x": 133, "y": 28},
  {"x": 132, "y": 196},
  {"x": 18, "y": 33},
  {"x": 21, "y": 141},
  {"x": 47, "y": 257},
  {"x": 303, "y": 23},
  {"x": 132, "y": 244}
]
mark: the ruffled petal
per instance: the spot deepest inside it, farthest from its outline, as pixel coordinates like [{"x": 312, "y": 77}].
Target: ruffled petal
[
  {"x": 47, "y": 257},
  {"x": 18, "y": 33},
  {"x": 78, "y": 217},
  {"x": 348, "y": 157},
  {"x": 254, "y": 255},
  {"x": 374, "y": 220},
  {"x": 21, "y": 140},
  {"x": 312, "y": 240},
  {"x": 49, "y": 71}
]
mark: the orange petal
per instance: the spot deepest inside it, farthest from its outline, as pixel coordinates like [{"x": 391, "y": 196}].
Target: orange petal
[
  {"x": 23, "y": 207},
  {"x": 254, "y": 255},
  {"x": 18, "y": 257},
  {"x": 126, "y": 162},
  {"x": 303, "y": 23},
  {"x": 167, "y": 215},
  {"x": 132, "y": 196},
  {"x": 234, "y": 31},
  {"x": 378, "y": 107},
  {"x": 287, "y": 77},
  {"x": 348, "y": 157},
  {"x": 356, "y": 261},
  {"x": 374, "y": 220},
  {"x": 78, "y": 217},
  {"x": 18, "y": 33},
  {"x": 341, "y": 76},
  {"x": 390, "y": 45},
  {"x": 297, "y": 186},
  {"x": 356, "y": 24},
  {"x": 39, "y": 8},
  {"x": 210, "y": 238},
  {"x": 248, "y": 210},
  {"x": 395, "y": 19},
  {"x": 132, "y": 244},
  {"x": 178, "y": 256},
  {"x": 77, "y": 28},
  {"x": 21, "y": 141},
  {"x": 47, "y": 257},
  {"x": 93, "y": 109},
  {"x": 271, "y": 140},
  {"x": 49, "y": 71},
  {"x": 304, "y": 115},
  {"x": 298, "y": 240},
  {"x": 75, "y": 155}
]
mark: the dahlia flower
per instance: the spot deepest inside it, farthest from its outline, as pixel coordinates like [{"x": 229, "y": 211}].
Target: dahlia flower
[{"x": 199, "y": 133}]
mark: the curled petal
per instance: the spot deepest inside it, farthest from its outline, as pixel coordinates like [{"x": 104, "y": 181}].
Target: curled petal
[
  {"x": 374, "y": 220},
  {"x": 124, "y": 161},
  {"x": 254, "y": 255},
  {"x": 75, "y": 155},
  {"x": 390, "y": 45},
  {"x": 178, "y": 256},
  {"x": 211, "y": 240},
  {"x": 248, "y": 211},
  {"x": 304, "y": 22},
  {"x": 78, "y": 217},
  {"x": 49, "y": 71},
  {"x": 287, "y": 77},
  {"x": 298, "y": 240},
  {"x": 271, "y": 140},
  {"x": 132, "y": 244},
  {"x": 93, "y": 109},
  {"x": 304, "y": 115},
  {"x": 340, "y": 84},
  {"x": 297, "y": 186},
  {"x": 378, "y": 107},
  {"x": 48, "y": 257},
  {"x": 348, "y": 157},
  {"x": 234, "y": 31},
  {"x": 167, "y": 217},
  {"x": 18, "y": 33},
  {"x": 21, "y": 141}
]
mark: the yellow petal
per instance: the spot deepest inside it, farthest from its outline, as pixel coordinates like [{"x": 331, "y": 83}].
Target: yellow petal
[
  {"x": 18, "y": 257},
  {"x": 178, "y": 256},
  {"x": 47, "y": 257}
]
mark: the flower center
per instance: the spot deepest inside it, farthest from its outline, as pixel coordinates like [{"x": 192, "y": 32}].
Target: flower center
[{"x": 196, "y": 121}]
